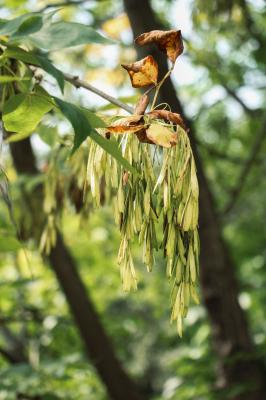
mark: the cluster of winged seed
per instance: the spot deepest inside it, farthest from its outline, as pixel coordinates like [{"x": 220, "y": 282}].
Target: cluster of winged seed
[
  {"x": 163, "y": 197},
  {"x": 158, "y": 205}
]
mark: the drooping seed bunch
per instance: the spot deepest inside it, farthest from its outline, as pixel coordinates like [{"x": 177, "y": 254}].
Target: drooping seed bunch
[
  {"x": 160, "y": 199},
  {"x": 162, "y": 196}
]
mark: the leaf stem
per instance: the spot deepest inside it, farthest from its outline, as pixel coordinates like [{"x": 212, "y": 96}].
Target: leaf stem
[{"x": 158, "y": 86}]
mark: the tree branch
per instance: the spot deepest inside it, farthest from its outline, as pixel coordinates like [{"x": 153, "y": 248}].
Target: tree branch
[
  {"x": 75, "y": 81},
  {"x": 78, "y": 83}
]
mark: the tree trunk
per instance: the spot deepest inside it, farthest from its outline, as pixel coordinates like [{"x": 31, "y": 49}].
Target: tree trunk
[
  {"x": 97, "y": 344},
  {"x": 231, "y": 338}
]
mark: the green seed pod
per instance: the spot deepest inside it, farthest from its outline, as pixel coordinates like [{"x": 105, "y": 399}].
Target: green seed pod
[
  {"x": 120, "y": 198},
  {"x": 181, "y": 249},
  {"x": 195, "y": 214},
  {"x": 194, "y": 180},
  {"x": 170, "y": 245},
  {"x": 128, "y": 274},
  {"x": 179, "y": 326},
  {"x": 116, "y": 212},
  {"x": 187, "y": 215},
  {"x": 137, "y": 215},
  {"x": 179, "y": 270},
  {"x": 114, "y": 175},
  {"x": 192, "y": 264},
  {"x": 194, "y": 294},
  {"x": 147, "y": 201},
  {"x": 165, "y": 196}
]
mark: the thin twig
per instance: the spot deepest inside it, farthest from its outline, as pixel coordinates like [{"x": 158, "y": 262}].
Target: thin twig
[
  {"x": 75, "y": 81},
  {"x": 246, "y": 168},
  {"x": 158, "y": 86}
]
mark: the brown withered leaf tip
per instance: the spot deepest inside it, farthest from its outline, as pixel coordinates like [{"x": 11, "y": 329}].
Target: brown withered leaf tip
[
  {"x": 143, "y": 72},
  {"x": 169, "y": 42}
]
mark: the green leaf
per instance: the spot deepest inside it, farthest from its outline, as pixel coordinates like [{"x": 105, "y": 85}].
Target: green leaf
[
  {"x": 9, "y": 27},
  {"x": 94, "y": 120},
  {"x": 83, "y": 129},
  {"x": 19, "y": 54},
  {"x": 48, "y": 67},
  {"x": 23, "y": 112},
  {"x": 38, "y": 60},
  {"x": 25, "y": 25},
  {"x": 64, "y": 34},
  {"x": 9, "y": 78},
  {"x": 30, "y": 25},
  {"x": 48, "y": 134}
]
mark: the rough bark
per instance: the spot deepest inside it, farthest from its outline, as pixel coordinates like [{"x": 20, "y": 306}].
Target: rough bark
[
  {"x": 231, "y": 337},
  {"x": 97, "y": 344}
]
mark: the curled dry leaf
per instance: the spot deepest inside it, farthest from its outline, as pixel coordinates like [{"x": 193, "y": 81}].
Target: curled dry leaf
[
  {"x": 121, "y": 129},
  {"x": 168, "y": 116},
  {"x": 169, "y": 42},
  {"x": 130, "y": 124},
  {"x": 147, "y": 129},
  {"x": 161, "y": 135},
  {"x": 143, "y": 73}
]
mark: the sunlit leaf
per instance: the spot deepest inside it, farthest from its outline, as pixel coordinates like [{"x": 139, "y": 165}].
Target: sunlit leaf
[
  {"x": 161, "y": 135},
  {"x": 23, "y": 112},
  {"x": 38, "y": 60},
  {"x": 143, "y": 73}
]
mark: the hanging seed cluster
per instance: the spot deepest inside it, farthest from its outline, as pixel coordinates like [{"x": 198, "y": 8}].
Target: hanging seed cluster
[
  {"x": 162, "y": 197},
  {"x": 158, "y": 205}
]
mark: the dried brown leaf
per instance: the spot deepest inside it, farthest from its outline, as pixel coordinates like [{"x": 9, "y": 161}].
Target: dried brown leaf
[
  {"x": 121, "y": 129},
  {"x": 169, "y": 42},
  {"x": 168, "y": 116},
  {"x": 143, "y": 73},
  {"x": 130, "y": 124}
]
